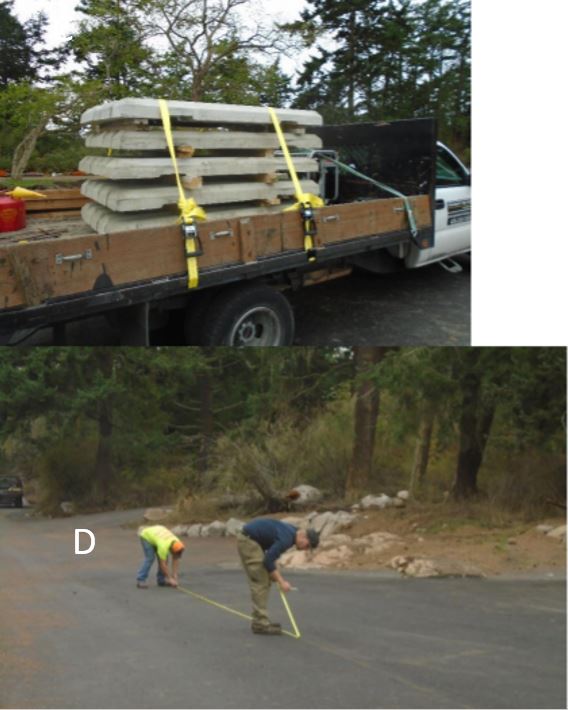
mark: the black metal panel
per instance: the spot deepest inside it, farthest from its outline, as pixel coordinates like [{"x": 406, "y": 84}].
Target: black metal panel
[{"x": 401, "y": 154}]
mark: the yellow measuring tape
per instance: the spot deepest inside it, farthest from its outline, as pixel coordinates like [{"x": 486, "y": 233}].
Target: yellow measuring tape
[
  {"x": 306, "y": 201},
  {"x": 190, "y": 210},
  {"x": 295, "y": 635}
]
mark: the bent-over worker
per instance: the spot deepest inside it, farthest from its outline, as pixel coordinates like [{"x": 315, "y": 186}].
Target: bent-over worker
[
  {"x": 158, "y": 541},
  {"x": 260, "y": 544}
]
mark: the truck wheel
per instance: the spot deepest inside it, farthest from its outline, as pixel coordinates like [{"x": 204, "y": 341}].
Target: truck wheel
[
  {"x": 19, "y": 502},
  {"x": 248, "y": 316}
]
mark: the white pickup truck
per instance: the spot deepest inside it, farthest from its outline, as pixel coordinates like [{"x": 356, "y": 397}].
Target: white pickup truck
[{"x": 139, "y": 280}]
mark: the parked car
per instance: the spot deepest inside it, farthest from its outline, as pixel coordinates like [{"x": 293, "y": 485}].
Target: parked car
[{"x": 11, "y": 490}]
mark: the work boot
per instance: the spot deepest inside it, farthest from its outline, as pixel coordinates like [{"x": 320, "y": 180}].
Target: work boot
[
  {"x": 267, "y": 629},
  {"x": 141, "y": 585}
]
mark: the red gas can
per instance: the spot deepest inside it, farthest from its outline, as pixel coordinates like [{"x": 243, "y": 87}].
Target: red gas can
[{"x": 12, "y": 214}]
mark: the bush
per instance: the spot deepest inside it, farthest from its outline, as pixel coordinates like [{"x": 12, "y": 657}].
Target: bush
[{"x": 65, "y": 472}]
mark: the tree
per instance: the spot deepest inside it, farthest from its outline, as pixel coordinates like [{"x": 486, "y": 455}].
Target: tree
[
  {"x": 113, "y": 48},
  {"x": 22, "y": 46},
  {"x": 366, "y": 414},
  {"x": 476, "y": 418},
  {"x": 118, "y": 398},
  {"x": 388, "y": 59}
]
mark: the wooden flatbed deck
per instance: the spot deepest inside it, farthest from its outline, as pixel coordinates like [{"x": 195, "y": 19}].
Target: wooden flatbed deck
[{"x": 59, "y": 269}]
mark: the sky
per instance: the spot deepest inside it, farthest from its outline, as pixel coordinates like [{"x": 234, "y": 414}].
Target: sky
[{"x": 62, "y": 16}]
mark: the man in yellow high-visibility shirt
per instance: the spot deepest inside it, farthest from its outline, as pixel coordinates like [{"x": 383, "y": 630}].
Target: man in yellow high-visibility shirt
[{"x": 158, "y": 541}]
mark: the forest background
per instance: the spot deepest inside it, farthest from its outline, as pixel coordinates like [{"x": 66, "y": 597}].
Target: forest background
[
  {"x": 368, "y": 60},
  {"x": 107, "y": 428}
]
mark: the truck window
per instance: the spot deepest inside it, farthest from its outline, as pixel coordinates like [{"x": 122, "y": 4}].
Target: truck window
[{"x": 449, "y": 173}]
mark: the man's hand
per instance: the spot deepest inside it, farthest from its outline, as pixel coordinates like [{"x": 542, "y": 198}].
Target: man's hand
[
  {"x": 285, "y": 586},
  {"x": 171, "y": 581}
]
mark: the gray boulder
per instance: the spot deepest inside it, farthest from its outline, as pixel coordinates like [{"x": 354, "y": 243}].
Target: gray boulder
[
  {"x": 380, "y": 502},
  {"x": 544, "y": 528},
  {"x": 194, "y": 530},
  {"x": 304, "y": 495},
  {"x": 433, "y": 567},
  {"x": 180, "y": 530},
  {"x": 558, "y": 533},
  {"x": 233, "y": 526},
  {"x": 214, "y": 529}
]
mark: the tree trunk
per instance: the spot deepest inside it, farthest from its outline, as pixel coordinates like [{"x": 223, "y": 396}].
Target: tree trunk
[
  {"x": 422, "y": 451},
  {"x": 104, "y": 472},
  {"x": 103, "y": 465},
  {"x": 475, "y": 425},
  {"x": 206, "y": 420},
  {"x": 24, "y": 150},
  {"x": 366, "y": 414}
]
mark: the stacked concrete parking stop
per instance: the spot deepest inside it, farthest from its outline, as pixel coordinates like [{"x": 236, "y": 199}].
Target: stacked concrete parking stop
[{"x": 228, "y": 156}]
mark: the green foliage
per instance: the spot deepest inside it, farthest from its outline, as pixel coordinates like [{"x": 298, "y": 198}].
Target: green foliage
[
  {"x": 287, "y": 413},
  {"x": 64, "y": 469},
  {"x": 388, "y": 59},
  {"x": 111, "y": 46},
  {"x": 22, "y": 47}
]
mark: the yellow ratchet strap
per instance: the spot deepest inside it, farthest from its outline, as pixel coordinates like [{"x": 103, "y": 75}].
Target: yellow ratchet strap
[
  {"x": 306, "y": 201},
  {"x": 189, "y": 209}
]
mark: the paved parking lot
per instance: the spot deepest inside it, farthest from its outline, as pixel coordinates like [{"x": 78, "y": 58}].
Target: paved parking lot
[{"x": 76, "y": 632}]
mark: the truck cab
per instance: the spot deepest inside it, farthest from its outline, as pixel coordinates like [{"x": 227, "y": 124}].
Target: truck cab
[{"x": 452, "y": 212}]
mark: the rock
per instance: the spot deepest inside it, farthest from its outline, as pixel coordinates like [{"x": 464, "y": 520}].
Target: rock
[
  {"x": 180, "y": 530},
  {"x": 294, "y": 558},
  {"x": 434, "y": 567},
  {"x": 67, "y": 507},
  {"x": 156, "y": 515},
  {"x": 328, "y": 523},
  {"x": 544, "y": 528},
  {"x": 194, "y": 530},
  {"x": 303, "y": 495},
  {"x": 335, "y": 556},
  {"x": 295, "y": 520},
  {"x": 398, "y": 502},
  {"x": 320, "y": 521},
  {"x": 399, "y": 562},
  {"x": 382, "y": 501},
  {"x": 558, "y": 533},
  {"x": 334, "y": 541},
  {"x": 233, "y": 526},
  {"x": 403, "y": 495},
  {"x": 214, "y": 529},
  {"x": 375, "y": 542}
]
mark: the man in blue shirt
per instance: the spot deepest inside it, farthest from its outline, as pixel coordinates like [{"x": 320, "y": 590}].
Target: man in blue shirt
[{"x": 260, "y": 544}]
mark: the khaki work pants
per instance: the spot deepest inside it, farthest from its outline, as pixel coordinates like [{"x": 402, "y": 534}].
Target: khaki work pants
[{"x": 252, "y": 557}]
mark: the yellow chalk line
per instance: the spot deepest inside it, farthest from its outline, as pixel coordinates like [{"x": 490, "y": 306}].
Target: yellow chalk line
[{"x": 295, "y": 635}]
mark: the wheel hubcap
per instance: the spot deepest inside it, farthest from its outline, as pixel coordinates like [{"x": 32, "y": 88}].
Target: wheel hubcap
[{"x": 259, "y": 326}]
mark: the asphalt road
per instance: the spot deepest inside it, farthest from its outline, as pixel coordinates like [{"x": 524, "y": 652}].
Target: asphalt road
[
  {"x": 426, "y": 306},
  {"x": 75, "y": 632}
]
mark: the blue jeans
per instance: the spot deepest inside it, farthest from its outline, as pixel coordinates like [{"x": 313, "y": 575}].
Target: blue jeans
[{"x": 149, "y": 555}]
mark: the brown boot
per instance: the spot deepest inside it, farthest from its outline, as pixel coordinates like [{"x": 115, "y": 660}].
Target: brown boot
[{"x": 267, "y": 629}]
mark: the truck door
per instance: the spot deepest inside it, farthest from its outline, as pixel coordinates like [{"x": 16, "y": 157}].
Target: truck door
[{"x": 452, "y": 214}]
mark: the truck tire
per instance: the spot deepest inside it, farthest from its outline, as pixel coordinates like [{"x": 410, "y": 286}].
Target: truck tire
[
  {"x": 248, "y": 316},
  {"x": 19, "y": 502}
]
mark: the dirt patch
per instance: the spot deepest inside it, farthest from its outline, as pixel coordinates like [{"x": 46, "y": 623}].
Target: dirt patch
[{"x": 511, "y": 547}]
